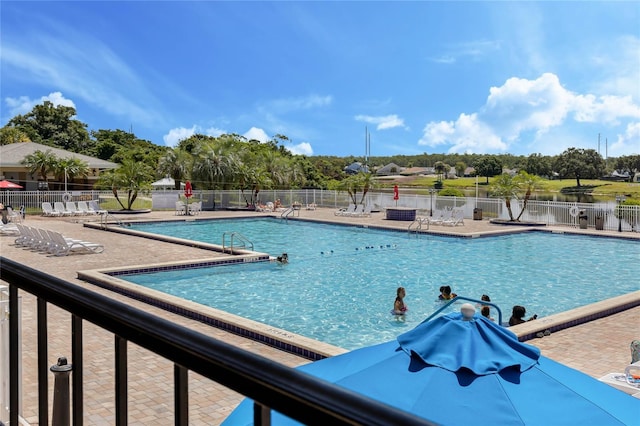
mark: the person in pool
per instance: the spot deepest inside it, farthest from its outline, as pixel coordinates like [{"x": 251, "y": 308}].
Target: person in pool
[
  {"x": 445, "y": 293},
  {"x": 283, "y": 259},
  {"x": 517, "y": 315},
  {"x": 399, "y": 307}
]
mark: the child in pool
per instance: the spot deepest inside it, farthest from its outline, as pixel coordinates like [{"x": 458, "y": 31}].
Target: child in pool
[{"x": 399, "y": 307}]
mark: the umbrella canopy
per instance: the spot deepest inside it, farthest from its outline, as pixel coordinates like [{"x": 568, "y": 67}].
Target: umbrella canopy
[
  {"x": 396, "y": 196},
  {"x": 188, "y": 191},
  {"x": 456, "y": 370},
  {"x": 7, "y": 184}
]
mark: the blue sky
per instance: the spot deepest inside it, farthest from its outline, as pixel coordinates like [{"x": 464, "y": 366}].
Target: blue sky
[{"x": 434, "y": 77}]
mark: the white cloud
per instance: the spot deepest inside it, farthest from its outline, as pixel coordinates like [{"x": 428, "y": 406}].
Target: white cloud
[
  {"x": 281, "y": 106},
  {"x": 627, "y": 143},
  {"x": 303, "y": 148},
  {"x": 531, "y": 108},
  {"x": 466, "y": 134},
  {"x": 472, "y": 49},
  {"x": 214, "y": 131},
  {"x": 382, "y": 122},
  {"x": 255, "y": 133},
  {"x": 176, "y": 135},
  {"x": 23, "y": 104}
]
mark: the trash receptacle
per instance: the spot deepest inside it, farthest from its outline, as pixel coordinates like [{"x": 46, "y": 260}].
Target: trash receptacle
[
  {"x": 599, "y": 223},
  {"x": 477, "y": 214},
  {"x": 583, "y": 220}
]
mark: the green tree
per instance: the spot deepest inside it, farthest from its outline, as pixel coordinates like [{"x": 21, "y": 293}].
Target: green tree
[
  {"x": 41, "y": 163},
  {"x": 69, "y": 169},
  {"x": 506, "y": 188},
  {"x": 488, "y": 166},
  {"x": 10, "y": 134},
  {"x": 580, "y": 163},
  {"x": 528, "y": 183},
  {"x": 131, "y": 177},
  {"x": 176, "y": 163},
  {"x": 360, "y": 182},
  {"x": 460, "y": 168},
  {"x": 539, "y": 165},
  {"x": 55, "y": 126}
]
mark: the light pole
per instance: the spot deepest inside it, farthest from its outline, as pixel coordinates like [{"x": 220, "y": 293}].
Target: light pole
[
  {"x": 431, "y": 192},
  {"x": 619, "y": 200}
]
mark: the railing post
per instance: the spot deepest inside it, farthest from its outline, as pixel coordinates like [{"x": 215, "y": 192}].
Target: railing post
[{"x": 61, "y": 372}]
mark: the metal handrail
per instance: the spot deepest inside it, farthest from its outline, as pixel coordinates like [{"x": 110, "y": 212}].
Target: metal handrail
[
  {"x": 293, "y": 393},
  {"x": 468, "y": 299},
  {"x": 232, "y": 235}
]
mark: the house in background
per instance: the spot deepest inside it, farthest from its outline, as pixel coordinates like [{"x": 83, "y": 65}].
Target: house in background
[
  {"x": 417, "y": 171},
  {"x": 356, "y": 167},
  {"x": 11, "y": 167},
  {"x": 389, "y": 170}
]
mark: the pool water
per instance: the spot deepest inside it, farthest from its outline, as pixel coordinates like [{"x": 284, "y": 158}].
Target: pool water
[{"x": 340, "y": 283}]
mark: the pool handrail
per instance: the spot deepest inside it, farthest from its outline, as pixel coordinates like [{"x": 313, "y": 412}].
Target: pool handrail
[{"x": 468, "y": 299}]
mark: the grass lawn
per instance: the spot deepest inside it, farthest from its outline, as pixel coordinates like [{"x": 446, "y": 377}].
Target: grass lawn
[{"x": 587, "y": 186}]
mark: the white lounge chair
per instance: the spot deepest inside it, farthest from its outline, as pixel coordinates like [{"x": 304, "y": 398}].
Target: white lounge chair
[
  {"x": 65, "y": 246},
  {"x": 347, "y": 211},
  {"x": 13, "y": 216},
  {"x": 9, "y": 229},
  {"x": 357, "y": 212},
  {"x": 47, "y": 210},
  {"x": 60, "y": 208},
  {"x": 93, "y": 205},
  {"x": 457, "y": 218},
  {"x": 85, "y": 209},
  {"x": 73, "y": 210}
]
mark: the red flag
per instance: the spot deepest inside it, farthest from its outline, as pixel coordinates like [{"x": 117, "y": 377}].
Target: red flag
[{"x": 188, "y": 191}]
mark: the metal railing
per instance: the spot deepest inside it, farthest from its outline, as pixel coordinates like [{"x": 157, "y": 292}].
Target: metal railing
[
  {"x": 298, "y": 395},
  {"x": 606, "y": 215}
]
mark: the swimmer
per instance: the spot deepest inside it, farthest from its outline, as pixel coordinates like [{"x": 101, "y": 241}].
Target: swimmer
[
  {"x": 399, "y": 307},
  {"x": 283, "y": 259},
  {"x": 446, "y": 294}
]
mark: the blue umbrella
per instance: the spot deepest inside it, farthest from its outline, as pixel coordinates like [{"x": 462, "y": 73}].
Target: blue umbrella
[{"x": 467, "y": 370}]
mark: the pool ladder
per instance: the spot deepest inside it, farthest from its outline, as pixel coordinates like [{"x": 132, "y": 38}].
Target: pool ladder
[
  {"x": 233, "y": 236},
  {"x": 288, "y": 212},
  {"x": 416, "y": 225}
]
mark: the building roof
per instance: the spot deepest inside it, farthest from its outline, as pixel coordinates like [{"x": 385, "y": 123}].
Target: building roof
[{"x": 11, "y": 155}]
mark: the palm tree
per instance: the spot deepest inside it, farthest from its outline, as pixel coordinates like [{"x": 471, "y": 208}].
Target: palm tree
[
  {"x": 67, "y": 169},
  {"x": 506, "y": 188},
  {"x": 176, "y": 163},
  {"x": 41, "y": 163},
  {"x": 132, "y": 176},
  {"x": 529, "y": 183}
]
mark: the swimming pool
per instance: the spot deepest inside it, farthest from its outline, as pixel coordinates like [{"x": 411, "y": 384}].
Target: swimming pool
[{"x": 341, "y": 280}]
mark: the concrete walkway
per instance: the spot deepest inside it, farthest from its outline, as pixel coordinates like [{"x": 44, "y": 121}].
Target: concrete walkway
[{"x": 596, "y": 348}]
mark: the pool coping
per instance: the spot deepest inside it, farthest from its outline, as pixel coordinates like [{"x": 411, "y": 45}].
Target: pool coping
[{"x": 291, "y": 342}]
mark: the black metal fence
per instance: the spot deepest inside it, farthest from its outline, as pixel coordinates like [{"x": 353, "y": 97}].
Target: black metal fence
[{"x": 272, "y": 385}]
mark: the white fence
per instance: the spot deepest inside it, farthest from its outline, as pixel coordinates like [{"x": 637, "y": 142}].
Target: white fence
[{"x": 605, "y": 215}]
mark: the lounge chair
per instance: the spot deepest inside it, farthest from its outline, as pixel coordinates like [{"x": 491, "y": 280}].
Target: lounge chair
[
  {"x": 457, "y": 218},
  {"x": 47, "y": 210},
  {"x": 65, "y": 246},
  {"x": 59, "y": 207},
  {"x": 312, "y": 206},
  {"x": 73, "y": 210},
  {"x": 93, "y": 205},
  {"x": 84, "y": 208},
  {"x": 347, "y": 211},
  {"x": 440, "y": 216},
  {"x": 9, "y": 229},
  {"x": 13, "y": 216}
]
